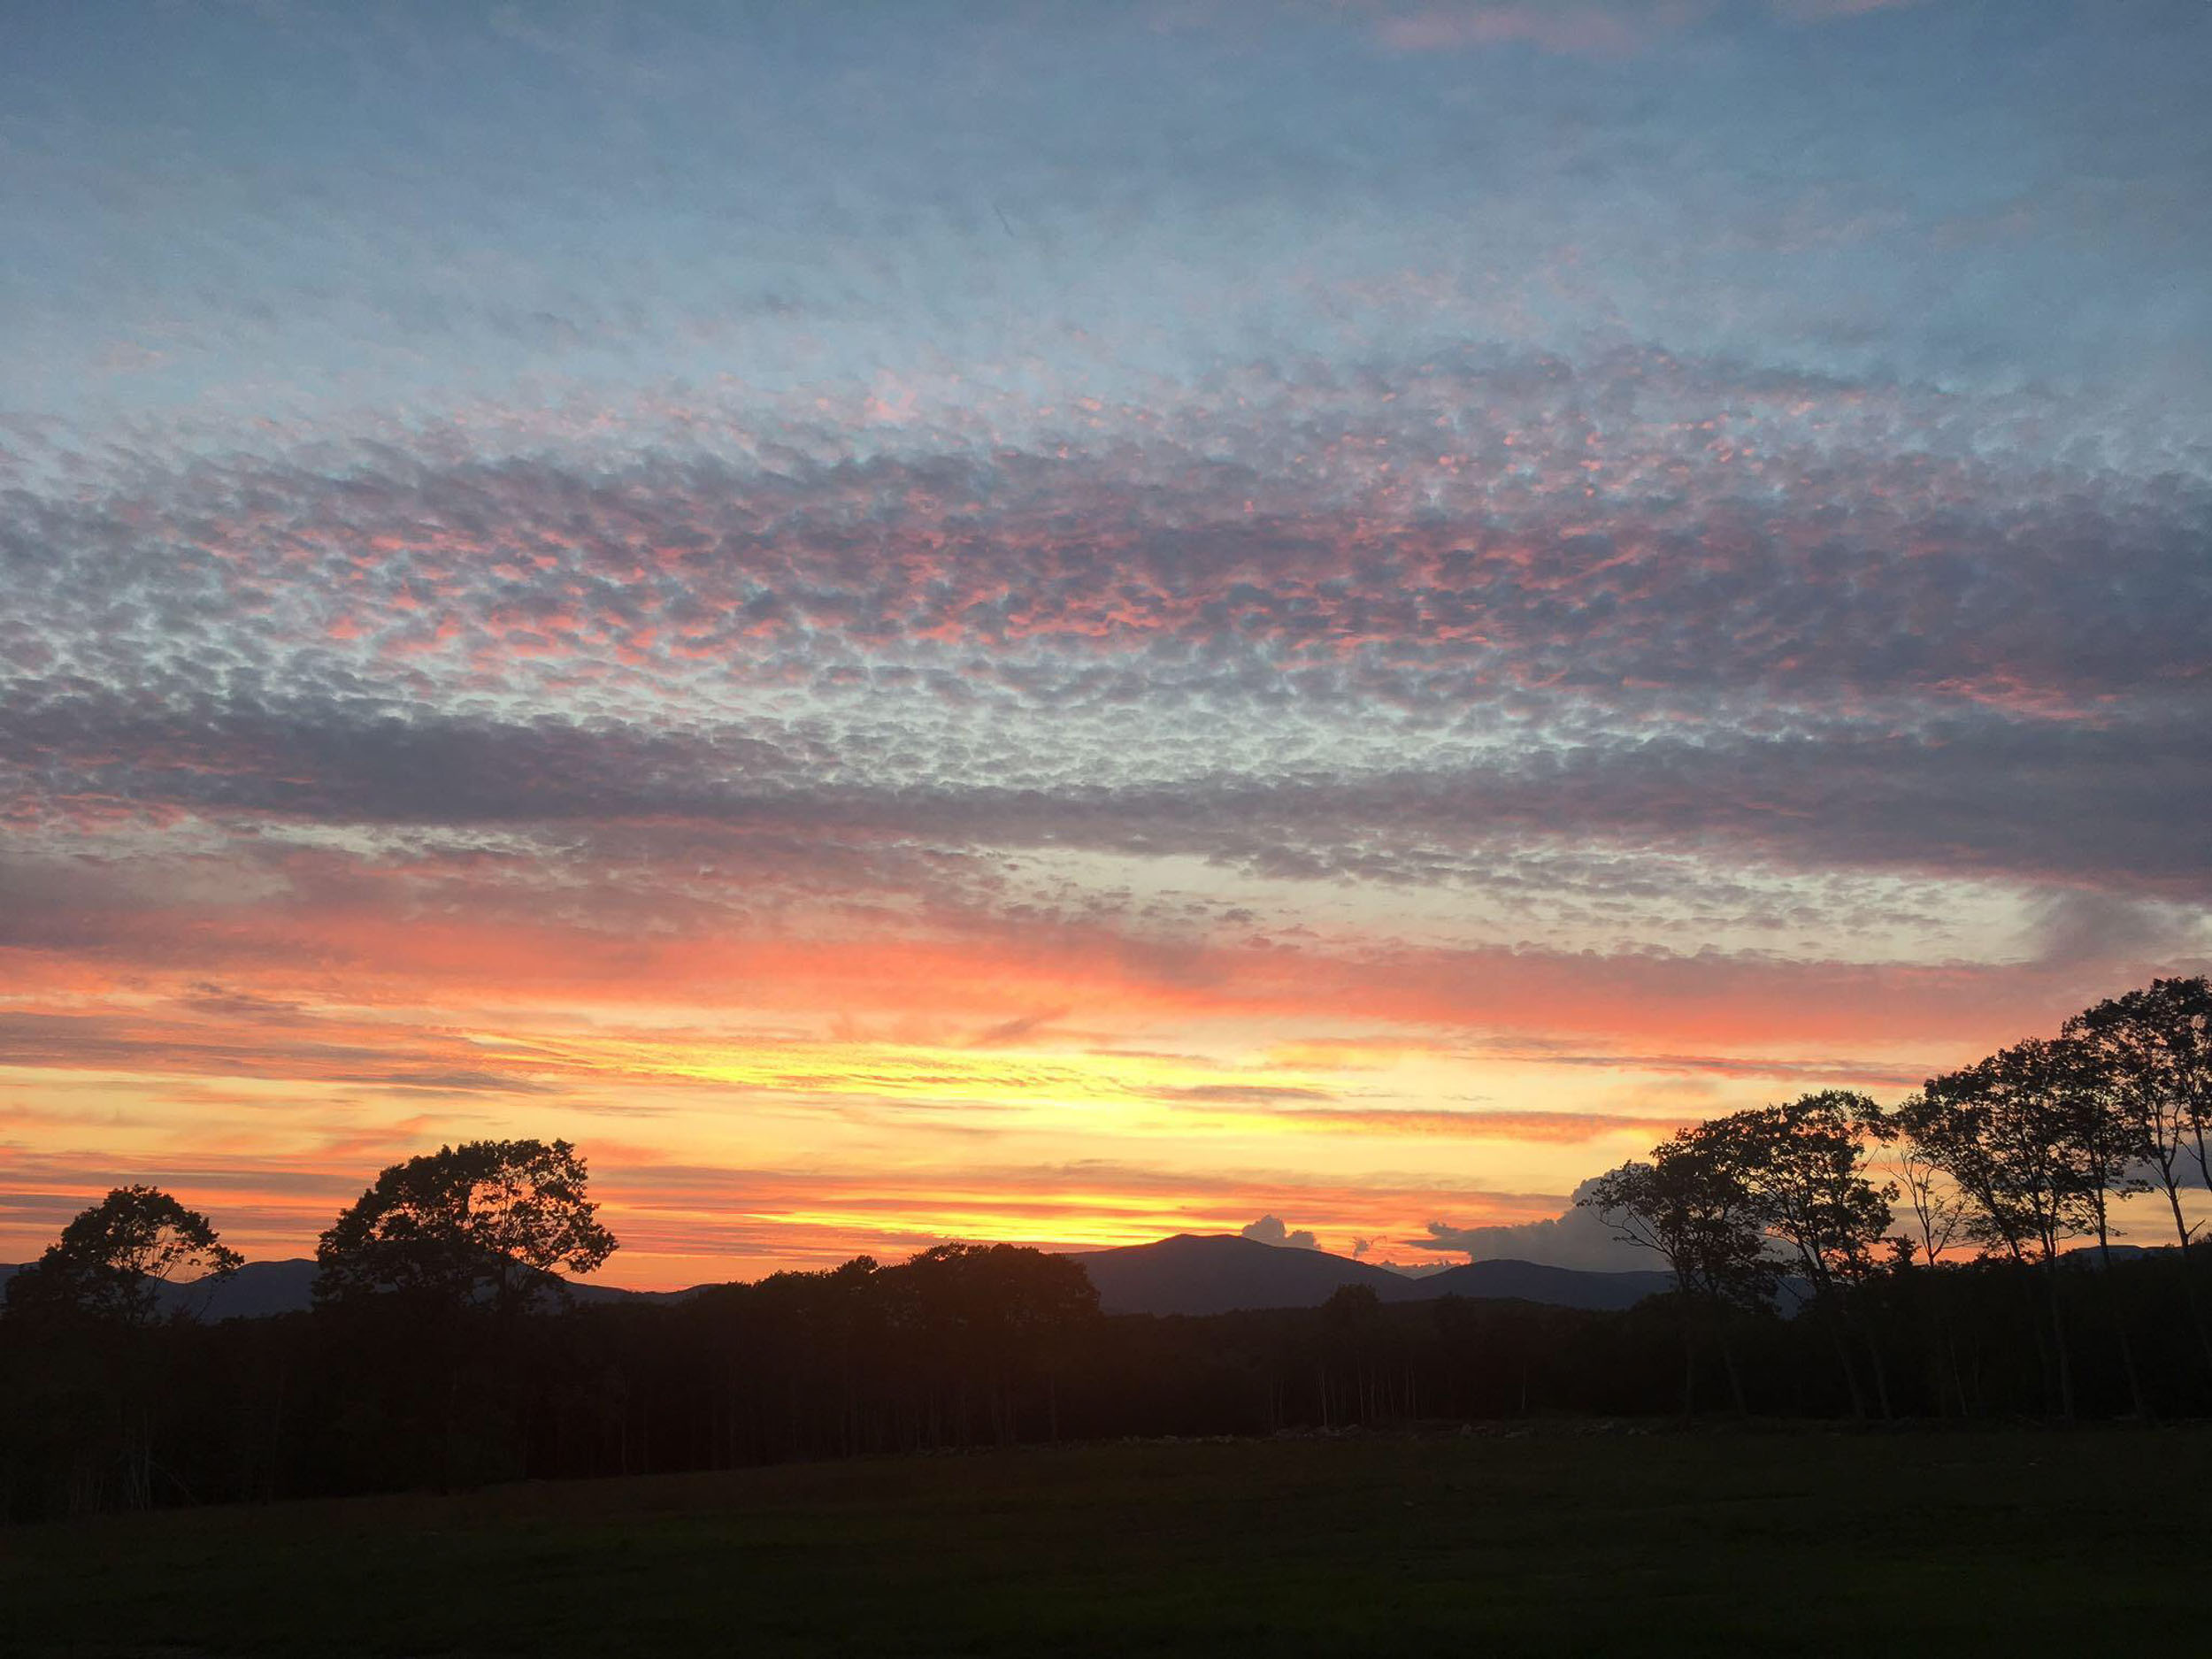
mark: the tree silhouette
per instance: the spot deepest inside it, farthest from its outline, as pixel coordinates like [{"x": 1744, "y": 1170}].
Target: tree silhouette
[
  {"x": 111, "y": 1260},
  {"x": 2012, "y": 1132},
  {"x": 2107, "y": 1142},
  {"x": 1801, "y": 1169},
  {"x": 2153, "y": 1049},
  {"x": 488, "y": 1221},
  {"x": 1938, "y": 1206},
  {"x": 1688, "y": 1205},
  {"x": 999, "y": 1316}
]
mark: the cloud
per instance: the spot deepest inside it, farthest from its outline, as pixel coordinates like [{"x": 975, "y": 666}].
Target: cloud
[
  {"x": 1969, "y": 795},
  {"x": 1261, "y": 1094},
  {"x": 1271, "y": 1230},
  {"x": 2078, "y": 928},
  {"x": 1278, "y": 1108},
  {"x": 1577, "y": 1238},
  {"x": 1818, "y": 630},
  {"x": 1015, "y": 1029},
  {"x": 482, "y": 931}
]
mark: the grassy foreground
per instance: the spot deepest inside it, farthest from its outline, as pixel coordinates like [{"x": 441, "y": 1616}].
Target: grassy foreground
[{"x": 1550, "y": 1543}]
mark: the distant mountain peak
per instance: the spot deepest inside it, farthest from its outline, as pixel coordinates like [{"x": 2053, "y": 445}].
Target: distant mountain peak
[{"x": 1203, "y": 1272}]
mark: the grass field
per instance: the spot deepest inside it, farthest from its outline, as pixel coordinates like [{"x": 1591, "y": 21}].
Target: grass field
[{"x": 1550, "y": 1543}]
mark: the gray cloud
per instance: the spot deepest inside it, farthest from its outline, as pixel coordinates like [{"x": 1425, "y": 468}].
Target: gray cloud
[
  {"x": 2079, "y": 927},
  {"x": 1271, "y": 1230},
  {"x": 1288, "y": 641},
  {"x": 1577, "y": 1238},
  {"x": 2114, "y": 804}
]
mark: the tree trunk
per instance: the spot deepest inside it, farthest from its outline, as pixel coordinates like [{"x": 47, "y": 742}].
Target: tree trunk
[
  {"x": 2189, "y": 1279},
  {"x": 2120, "y": 1328},
  {"x": 1735, "y": 1381},
  {"x": 1832, "y": 1318},
  {"x": 1689, "y": 1367},
  {"x": 2058, "y": 1337}
]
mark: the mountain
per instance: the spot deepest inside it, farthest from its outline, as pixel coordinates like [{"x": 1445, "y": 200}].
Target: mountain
[
  {"x": 261, "y": 1288},
  {"x": 1189, "y": 1273},
  {"x": 257, "y": 1289},
  {"x": 1219, "y": 1273},
  {"x": 1560, "y": 1287}
]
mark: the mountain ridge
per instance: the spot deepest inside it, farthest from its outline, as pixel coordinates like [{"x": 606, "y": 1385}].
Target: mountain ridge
[
  {"x": 1205, "y": 1273},
  {"x": 1186, "y": 1273}
]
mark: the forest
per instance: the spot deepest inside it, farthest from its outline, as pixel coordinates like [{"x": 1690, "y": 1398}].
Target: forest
[{"x": 1947, "y": 1258}]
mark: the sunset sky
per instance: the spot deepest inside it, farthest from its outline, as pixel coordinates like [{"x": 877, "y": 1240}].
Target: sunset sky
[{"x": 1066, "y": 623}]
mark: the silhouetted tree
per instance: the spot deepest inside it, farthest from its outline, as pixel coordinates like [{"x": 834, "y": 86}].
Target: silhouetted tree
[
  {"x": 2153, "y": 1049},
  {"x": 1938, "y": 1209},
  {"x": 2019, "y": 1153},
  {"x": 2008, "y": 1130},
  {"x": 112, "y": 1259},
  {"x": 993, "y": 1317},
  {"x": 1690, "y": 1206},
  {"x": 88, "y": 1307},
  {"x": 1936, "y": 1204},
  {"x": 486, "y": 1221},
  {"x": 1801, "y": 1167},
  {"x": 2107, "y": 1143}
]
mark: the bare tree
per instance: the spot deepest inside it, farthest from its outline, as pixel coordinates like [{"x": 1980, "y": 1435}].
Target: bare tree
[{"x": 1938, "y": 1205}]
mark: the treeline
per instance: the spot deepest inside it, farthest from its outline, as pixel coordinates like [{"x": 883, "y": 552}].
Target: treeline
[
  {"x": 964, "y": 1348},
  {"x": 2016, "y": 1156},
  {"x": 1916, "y": 1251}
]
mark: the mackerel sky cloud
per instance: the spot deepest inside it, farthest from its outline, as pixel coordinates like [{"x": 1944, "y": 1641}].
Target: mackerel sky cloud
[{"x": 1069, "y": 623}]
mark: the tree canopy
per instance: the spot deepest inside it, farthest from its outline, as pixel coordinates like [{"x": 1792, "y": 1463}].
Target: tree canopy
[
  {"x": 488, "y": 1221},
  {"x": 111, "y": 1260}
]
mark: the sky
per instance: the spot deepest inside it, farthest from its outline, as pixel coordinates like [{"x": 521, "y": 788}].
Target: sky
[{"x": 1066, "y": 623}]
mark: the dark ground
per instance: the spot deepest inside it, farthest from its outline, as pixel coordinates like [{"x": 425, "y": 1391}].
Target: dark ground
[{"x": 1554, "y": 1541}]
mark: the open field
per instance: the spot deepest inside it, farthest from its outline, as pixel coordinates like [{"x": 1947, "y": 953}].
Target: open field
[{"x": 1552, "y": 1541}]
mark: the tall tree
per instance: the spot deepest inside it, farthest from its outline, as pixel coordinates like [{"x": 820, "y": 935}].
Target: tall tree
[
  {"x": 2008, "y": 1133},
  {"x": 1688, "y": 1205},
  {"x": 2109, "y": 1143},
  {"x": 995, "y": 1315},
  {"x": 1801, "y": 1168},
  {"x": 1940, "y": 1210},
  {"x": 102, "y": 1281},
  {"x": 2005, "y": 1130},
  {"x": 2153, "y": 1049},
  {"x": 112, "y": 1259},
  {"x": 490, "y": 1222}
]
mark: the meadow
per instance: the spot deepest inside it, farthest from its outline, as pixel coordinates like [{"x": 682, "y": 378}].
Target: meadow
[{"x": 1557, "y": 1539}]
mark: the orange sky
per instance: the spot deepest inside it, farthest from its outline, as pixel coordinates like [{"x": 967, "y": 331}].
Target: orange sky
[{"x": 750, "y": 1103}]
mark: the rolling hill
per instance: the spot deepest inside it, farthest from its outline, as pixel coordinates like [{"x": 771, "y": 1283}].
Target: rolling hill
[
  {"x": 1221, "y": 1274},
  {"x": 1190, "y": 1273}
]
